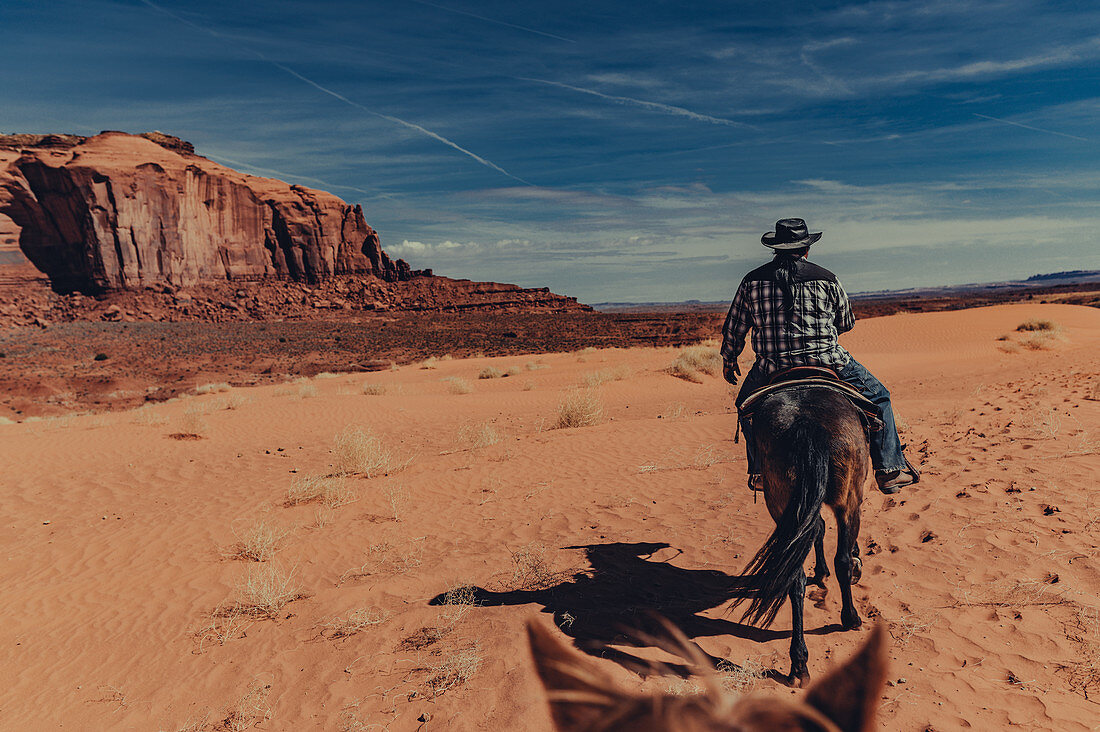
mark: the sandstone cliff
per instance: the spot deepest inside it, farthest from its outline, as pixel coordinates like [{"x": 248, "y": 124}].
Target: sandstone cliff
[{"x": 124, "y": 212}]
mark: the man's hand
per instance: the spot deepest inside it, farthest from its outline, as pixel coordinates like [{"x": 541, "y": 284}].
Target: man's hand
[{"x": 731, "y": 371}]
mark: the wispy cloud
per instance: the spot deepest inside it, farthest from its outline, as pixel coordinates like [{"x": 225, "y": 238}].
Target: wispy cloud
[
  {"x": 336, "y": 95},
  {"x": 652, "y": 106},
  {"x": 495, "y": 21}
]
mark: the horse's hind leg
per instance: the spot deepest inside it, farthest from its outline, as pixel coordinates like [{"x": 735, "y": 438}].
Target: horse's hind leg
[
  {"x": 848, "y": 567},
  {"x": 821, "y": 567},
  {"x": 799, "y": 672}
]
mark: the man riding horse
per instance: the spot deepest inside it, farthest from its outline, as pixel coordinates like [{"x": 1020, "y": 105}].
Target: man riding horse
[{"x": 796, "y": 310}]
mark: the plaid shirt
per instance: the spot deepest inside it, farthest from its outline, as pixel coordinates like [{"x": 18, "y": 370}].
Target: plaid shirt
[{"x": 805, "y": 337}]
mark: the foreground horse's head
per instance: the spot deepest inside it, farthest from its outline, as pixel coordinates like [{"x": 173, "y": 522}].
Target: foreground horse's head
[{"x": 583, "y": 698}]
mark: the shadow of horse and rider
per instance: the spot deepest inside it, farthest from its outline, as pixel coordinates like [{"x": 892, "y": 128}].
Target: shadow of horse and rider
[{"x": 620, "y": 599}]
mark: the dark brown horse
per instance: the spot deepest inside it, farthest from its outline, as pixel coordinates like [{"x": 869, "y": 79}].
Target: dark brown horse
[{"x": 813, "y": 451}]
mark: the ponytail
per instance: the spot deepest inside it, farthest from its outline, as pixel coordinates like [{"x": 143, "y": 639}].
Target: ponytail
[{"x": 786, "y": 267}]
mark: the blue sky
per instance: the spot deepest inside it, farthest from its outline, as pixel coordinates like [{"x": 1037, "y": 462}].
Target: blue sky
[{"x": 617, "y": 150}]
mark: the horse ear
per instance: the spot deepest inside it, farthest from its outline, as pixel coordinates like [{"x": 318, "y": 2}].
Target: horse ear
[
  {"x": 579, "y": 693},
  {"x": 848, "y": 694}
]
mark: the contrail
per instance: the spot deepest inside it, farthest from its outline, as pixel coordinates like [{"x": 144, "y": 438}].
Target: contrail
[
  {"x": 342, "y": 98},
  {"x": 655, "y": 106},
  {"x": 497, "y": 22},
  {"x": 1029, "y": 127}
]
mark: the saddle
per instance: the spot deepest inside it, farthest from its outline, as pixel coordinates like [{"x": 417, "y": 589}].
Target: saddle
[{"x": 816, "y": 376}]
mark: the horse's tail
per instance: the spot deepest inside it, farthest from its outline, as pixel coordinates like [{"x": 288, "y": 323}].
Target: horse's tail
[{"x": 769, "y": 576}]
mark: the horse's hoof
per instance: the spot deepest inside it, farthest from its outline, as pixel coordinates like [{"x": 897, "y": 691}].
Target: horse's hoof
[
  {"x": 818, "y": 579},
  {"x": 799, "y": 679},
  {"x": 850, "y": 622},
  {"x": 857, "y": 569}
]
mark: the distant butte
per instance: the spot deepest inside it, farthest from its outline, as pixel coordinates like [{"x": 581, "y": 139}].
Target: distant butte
[{"x": 121, "y": 214}]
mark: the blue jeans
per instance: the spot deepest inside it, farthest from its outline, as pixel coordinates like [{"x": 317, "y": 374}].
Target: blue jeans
[{"x": 886, "y": 453}]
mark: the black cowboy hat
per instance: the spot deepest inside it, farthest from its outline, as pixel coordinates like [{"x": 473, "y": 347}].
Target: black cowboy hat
[{"x": 789, "y": 234}]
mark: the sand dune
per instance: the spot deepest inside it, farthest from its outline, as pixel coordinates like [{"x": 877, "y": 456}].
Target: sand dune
[{"x": 118, "y": 585}]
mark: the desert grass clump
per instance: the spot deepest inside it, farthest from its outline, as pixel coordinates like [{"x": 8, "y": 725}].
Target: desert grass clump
[
  {"x": 1039, "y": 340},
  {"x": 226, "y": 624},
  {"x": 355, "y": 622},
  {"x": 531, "y": 571},
  {"x": 212, "y": 388},
  {"x": 739, "y": 679},
  {"x": 236, "y": 402},
  {"x": 360, "y": 451},
  {"x": 456, "y": 385},
  {"x": 490, "y": 372},
  {"x": 535, "y": 365},
  {"x": 331, "y": 490},
  {"x": 192, "y": 424},
  {"x": 385, "y": 559},
  {"x": 580, "y": 408},
  {"x": 266, "y": 590},
  {"x": 307, "y": 391},
  {"x": 399, "y": 499},
  {"x": 5, "y": 420},
  {"x": 258, "y": 543},
  {"x": 250, "y": 710},
  {"x": 374, "y": 389},
  {"x": 1036, "y": 325},
  {"x": 457, "y": 601},
  {"x": 453, "y": 669},
  {"x": 145, "y": 414},
  {"x": 473, "y": 437},
  {"x": 693, "y": 361}
]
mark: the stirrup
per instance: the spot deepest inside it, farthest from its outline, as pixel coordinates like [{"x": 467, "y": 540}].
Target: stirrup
[{"x": 756, "y": 482}]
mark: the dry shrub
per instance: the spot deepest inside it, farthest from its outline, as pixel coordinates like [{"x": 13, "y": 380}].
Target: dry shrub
[
  {"x": 236, "y": 402},
  {"x": 531, "y": 571},
  {"x": 1009, "y": 346},
  {"x": 490, "y": 372},
  {"x": 399, "y": 499},
  {"x": 579, "y": 408},
  {"x": 535, "y": 365},
  {"x": 528, "y": 386},
  {"x": 250, "y": 710},
  {"x": 226, "y": 624},
  {"x": 696, "y": 360},
  {"x": 146, "y": 414},
  {"x": 374, "y": 389},
  {"x": 475, "y": 436},
  {"x": 259, "y": 543},
  {"x": 326, "y": 375},
  {"x": 513, "y": 371},
  {"x": 453, "y": 669},
  {"x": 457, "y": 601},
  {"x": 323, "y": 516},
  {"x": 385, "y": 559},
  {"x": 1036, "y": 325},
  {"x": 456, "y": 385},
  {"x": 740, "y": 679},
  {"x": 429, "y": 363},
  {"x": 355, "y": 621},
  {"x": 265, "y": 590},
  {"x": 332, "y": 490},
  {"x": 360, "y": 451},
  {"x": 192, "y": 424},
  {"x": 212, "y": 388},
  {"x": 1039, "y": 341}
]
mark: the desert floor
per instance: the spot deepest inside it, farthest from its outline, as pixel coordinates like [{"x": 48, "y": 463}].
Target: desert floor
[{"x": 124, "y": 606}]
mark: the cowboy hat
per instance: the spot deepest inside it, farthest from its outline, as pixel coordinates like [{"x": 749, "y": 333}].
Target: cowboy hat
[{"x": 789, "y": 234}]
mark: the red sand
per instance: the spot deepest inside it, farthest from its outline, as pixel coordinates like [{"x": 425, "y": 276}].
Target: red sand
[{"x": 985, "y": 571}]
